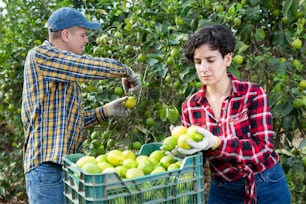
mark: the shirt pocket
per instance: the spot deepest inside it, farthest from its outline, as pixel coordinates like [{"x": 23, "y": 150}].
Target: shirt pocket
[{"x": 240, "y": 125}]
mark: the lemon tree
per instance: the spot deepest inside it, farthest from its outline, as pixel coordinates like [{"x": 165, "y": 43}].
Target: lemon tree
[{"x": 270, "y": 38}]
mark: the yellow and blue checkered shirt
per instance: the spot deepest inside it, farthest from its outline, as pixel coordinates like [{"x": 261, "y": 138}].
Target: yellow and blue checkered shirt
[{"x": 52, "y": 112}]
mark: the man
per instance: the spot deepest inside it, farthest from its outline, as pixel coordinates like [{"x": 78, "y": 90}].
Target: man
[{"x": 52, "y": 112}]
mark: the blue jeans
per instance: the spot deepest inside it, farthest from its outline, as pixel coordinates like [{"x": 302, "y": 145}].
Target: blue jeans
[
  {"x": 270, "y": 186},
  {"x": 45, "y": 185}
]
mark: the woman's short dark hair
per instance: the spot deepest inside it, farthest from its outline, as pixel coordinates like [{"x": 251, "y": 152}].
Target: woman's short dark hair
[{"x": 218, "y": 37}]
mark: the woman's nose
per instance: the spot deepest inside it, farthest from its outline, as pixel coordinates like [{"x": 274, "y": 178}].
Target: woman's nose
[{"x": 204, "y": 65}]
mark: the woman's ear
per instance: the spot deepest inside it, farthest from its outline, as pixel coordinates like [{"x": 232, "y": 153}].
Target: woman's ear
[{"x": 228, "y": 59}]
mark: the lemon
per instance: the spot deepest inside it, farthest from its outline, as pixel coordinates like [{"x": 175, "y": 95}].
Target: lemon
[
  {"x": 141, "y": 58},
  {"x": 130, "y": 102},
  {"x": 121, "y": 170},
  {"x": 129, "y": 163},
  {"x": 104, "y": 165},
  {"x": 175, "y": 53},
  {"x": 169, "y": 143},
  {"x": 158, "y": 169},
  {"x": 101, "y": 158},
  {"x": 150, "y": 122},
  {"x": 136, "y": 145},
  {"x": 238, "y": 59},
  {"x": 297, "y": 43},
  {"x": 133, "y": 173},
  {"x": 118, "y": 91},
  {"x": 197, "y": 137},
  {"x": 91, "y": 168},
  {"x": 94, "y": 135},
  {"x": 115, "y": 157},
  {"x": 173, "y": 166},
  {"x": 142, "y": 157},
  {"x": 167, "y": 160},
  {"x": 177, "y": 131},
  {"x": 146, "y": 166},
  {"x": 109, "y": 170},
  {"x": 303, "y": 83},
  {"x": 85, "y": 159},
  {"x": 157, "y": 155},
  {"x": 182, "y": 141},
  {"x": 129, "y": 154},
  {"x": 118, "y": 34}
]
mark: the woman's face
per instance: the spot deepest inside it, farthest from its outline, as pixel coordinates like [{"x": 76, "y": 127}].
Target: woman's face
[{"x": 210, "y": 65}]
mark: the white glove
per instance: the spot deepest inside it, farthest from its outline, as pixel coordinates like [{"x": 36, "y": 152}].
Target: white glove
[
  {"x": 131, "y": 83},
  {"x": 209, "y": 141},
  {"x": 116, "y": 108}
]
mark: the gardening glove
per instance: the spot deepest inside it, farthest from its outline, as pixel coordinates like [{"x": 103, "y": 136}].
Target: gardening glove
[
  {"x": 209, "y": 141},
  {"x": 132, "y": 83},
  {"x": 116, "y": 108}
]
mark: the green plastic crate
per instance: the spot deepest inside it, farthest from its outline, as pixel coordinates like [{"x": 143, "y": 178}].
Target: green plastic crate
[{"x": 180, "y": 186}]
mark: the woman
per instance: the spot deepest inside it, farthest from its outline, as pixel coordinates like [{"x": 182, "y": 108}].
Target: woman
[{"x": 236, "y": 122}]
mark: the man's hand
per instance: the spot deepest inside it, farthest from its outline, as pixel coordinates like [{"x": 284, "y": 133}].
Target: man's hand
[
  {"x": 209, "y": 141},
  {"x": 132, "y": 83},
  {"x": 116, "y": 108}
]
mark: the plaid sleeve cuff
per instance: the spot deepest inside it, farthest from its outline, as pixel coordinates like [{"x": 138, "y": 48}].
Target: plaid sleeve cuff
[{"x": 101, "y": 115}]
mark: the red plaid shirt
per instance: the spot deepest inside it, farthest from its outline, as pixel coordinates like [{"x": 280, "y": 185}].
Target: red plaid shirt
[{"x": 245, "y": 129}]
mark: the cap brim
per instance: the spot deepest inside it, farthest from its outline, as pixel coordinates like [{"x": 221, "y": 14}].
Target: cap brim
[{"x": 92, "y": 25}]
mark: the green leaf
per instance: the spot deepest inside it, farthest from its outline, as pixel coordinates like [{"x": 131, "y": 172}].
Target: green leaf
[
  {"x": 163, "y": 114},
  {"x": 173, "y": 115},
  {"x": 2, "y": 191},
  {"x": 242, "y": 47}
]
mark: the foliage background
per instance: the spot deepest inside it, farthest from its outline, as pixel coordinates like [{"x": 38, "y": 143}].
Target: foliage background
[{"x": 148, "y": 36}]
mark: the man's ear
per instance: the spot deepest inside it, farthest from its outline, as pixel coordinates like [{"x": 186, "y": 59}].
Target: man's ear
[{"x": 65, "y": 35}]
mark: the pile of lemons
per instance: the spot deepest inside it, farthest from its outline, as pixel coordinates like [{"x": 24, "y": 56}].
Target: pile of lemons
[{"x": 127, "y": 164}]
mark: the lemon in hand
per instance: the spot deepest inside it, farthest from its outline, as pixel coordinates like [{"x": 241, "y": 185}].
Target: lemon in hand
[
  {"x": 182, "y": 141},
  {"x": 130, "y": 102},
  {"x": 177, "y": 131},
  {"x": 197, "y": 137}
]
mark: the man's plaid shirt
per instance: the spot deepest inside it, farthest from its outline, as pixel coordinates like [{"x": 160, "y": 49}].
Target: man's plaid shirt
[{"x": 52, "y": 112}]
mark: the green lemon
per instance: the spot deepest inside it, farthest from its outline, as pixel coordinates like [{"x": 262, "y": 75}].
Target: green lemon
[
  {"x": 118, "y": 91},
  {"x": 297, "y": 43},
  {"x": 175, "y": 53},
  {"x": 238, "y": 59},
  {"x": 136, "y": 145},
  {"x": 303, "y": 83},
  {"x": 91, "y": 168},
  {"x": 142, "y": 58},
  {"x": 150, "y": 122},
  {"x": 169, "y": 143}
]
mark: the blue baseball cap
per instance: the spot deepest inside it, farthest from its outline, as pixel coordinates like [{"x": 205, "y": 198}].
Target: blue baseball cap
[{"x": 68, "y": 17}]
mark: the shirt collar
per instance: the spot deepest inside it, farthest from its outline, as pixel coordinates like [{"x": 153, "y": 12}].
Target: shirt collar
[{"x": 236, "y": 90}]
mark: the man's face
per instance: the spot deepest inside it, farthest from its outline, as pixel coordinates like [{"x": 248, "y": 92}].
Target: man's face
[{"x": 77, "y": 39}]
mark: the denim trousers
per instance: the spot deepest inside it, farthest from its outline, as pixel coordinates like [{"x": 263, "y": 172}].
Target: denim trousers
[
  {"x": 270, "y": 186},
  {"x": 44, "y": 184}
]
